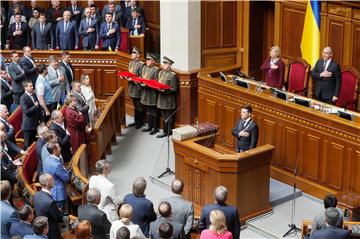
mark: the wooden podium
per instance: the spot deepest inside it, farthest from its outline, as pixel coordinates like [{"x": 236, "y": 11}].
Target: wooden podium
[{"x": 203, "y": 165}]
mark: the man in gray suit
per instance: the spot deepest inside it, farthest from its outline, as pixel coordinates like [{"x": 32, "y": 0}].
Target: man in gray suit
[
  {"x": 41, "y": 35},
  {"x": 166, "y": 216},
  {"x": 89, "y": 30},
  {"x": 182, "y": 209},
  {"x": 57, "y": 78},
  {"x": 17, "y": 75}
]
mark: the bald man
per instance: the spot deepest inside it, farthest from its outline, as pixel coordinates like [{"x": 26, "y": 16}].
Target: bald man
[{"x": 327, "y": 75}]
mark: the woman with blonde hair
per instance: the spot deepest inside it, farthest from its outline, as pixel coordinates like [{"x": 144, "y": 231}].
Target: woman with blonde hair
[
  {"x": 126, "y": 213},
  {"x": 274, "y": 69},
  {"x": 83, "y": 230},
  {"x": 217, "y": 228},
  {"x": 89, "y": 95}
]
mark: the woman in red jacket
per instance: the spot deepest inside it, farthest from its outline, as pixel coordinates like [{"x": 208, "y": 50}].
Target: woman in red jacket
[{"x": 274, "y": 69}]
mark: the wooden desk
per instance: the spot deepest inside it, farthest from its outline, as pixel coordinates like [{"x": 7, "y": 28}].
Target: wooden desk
[
  {"x": 105, "y": 129},
  {"x": 203, "y": 166},
  {"x": 327, "y": 146}
]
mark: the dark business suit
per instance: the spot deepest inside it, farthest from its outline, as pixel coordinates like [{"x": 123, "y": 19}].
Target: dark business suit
[
  {"x": 30, "y": 69},
  {"x": 17, "y": 75},
  {"x": 178, "y": 229},
  {"x": 130, "y": 23},
  {"x": 21, "y": 229},
  {"x": 69, "y": 39},
  {"x": 100, "y": 225},
  {"x": 113, "y": 40},
  {"x": 19, "y": 41},
  {"x": 51, "y": 15},
  {"x": 6, "y": 93},
  {"x": 8, "y": 216},
  {"x": 128, "y": 13},
  {"x": 327, "y": 87},
  {"x": 30, "y": 118},
  {"x": 81, "y": 105},
  {"x": 89, "y": 40},
  {"x": 9, "y": 130},
  {"x": 44, "y": 205},
  {"x": 143, "y": 211},
  {"x": 64, "y": 141},
  {"x": 246, "y": 143},
  {"x": 75, "y": 17},
  {"x": 42, "y": 40},
  {"x": 69, "y": 71},
  {"x": 39, "y": 146},
  {"x": 231, "y": 215},
  {"x": 331, "y": 233}
]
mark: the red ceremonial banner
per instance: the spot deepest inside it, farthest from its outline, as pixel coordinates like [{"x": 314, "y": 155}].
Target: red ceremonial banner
[{"x": 126, "y": 74}]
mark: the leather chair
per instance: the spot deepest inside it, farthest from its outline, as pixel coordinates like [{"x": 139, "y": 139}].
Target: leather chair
[
  {"x": 349, "y": 93},
  {"x": 298, "y": 76}
]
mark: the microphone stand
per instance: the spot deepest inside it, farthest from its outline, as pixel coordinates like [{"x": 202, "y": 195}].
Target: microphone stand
[
  {"x": 167, "y": 169},
  {"x": 292, "y": 225}
]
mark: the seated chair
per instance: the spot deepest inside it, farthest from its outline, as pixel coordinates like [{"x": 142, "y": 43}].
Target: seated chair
[
  {"x": 15, "y": 119},
  {"x": 27, "y": 174},
  {"x": 349, "y": 89},
  {"x": 298, "y": 76}
]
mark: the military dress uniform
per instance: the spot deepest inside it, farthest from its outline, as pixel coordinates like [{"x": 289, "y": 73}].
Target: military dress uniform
[
  {"x": 149, "y": 96},
  {"x": 135, "y": 67},
  {"x": 166, "y": 102}
]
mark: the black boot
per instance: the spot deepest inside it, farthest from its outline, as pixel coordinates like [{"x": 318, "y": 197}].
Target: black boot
[{"x": 150, "y": 125}]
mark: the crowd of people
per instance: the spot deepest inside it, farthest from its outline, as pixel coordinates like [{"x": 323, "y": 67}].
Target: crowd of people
[{"x": 69, "y": 27}]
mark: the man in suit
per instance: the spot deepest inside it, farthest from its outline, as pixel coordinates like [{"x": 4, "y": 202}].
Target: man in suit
[
  {"x": 135, "y": 67},
  {"x": 135, "y": 23},
  {"x": 65, "y": 63},
  {"x": 327, "y": 75},
  {"x": 19, "y": 33},
  {"x": 166, "y": 101},
  {"x": 54, "y": 165},
  {"x": 28, "y": 64},
  {"x": 182, "y": 209},
  {"x": 42, "y": 35},
  {"x": 23, "y": 227},
  {"x": 40, "y": 228},
  {"x": 319, "y": 221},
  {"x": 230, "y": 212},
  {"x": 6, "y": 89},
  {"x": 44, "y": 205},
  {"x": 17, "y": 75},
  {"x": 4, "y": 115},
  {"x": 42, "y": 132},
  {"x": 57, "y": 78},
  {"x": 133, "y": 5},
  {"x": 89, "y": 30},
  {"x": 15, "y": 6},
  {"x": 149, "y": 96},
  {"x": 31, "y": 115},
  {"x": 109, "y": 200},
  {"x": 54, "y": 14},
  {"x": 116, "y": 15},
  {"x": 81, "y": 101},
  {"x": 143, "y": 208},
  {"x": 100, "y": 225},
  {"x": 165, "y": 216},
  {"x": 107, "y": 7},
  {"x": 66, "y": 35},
  {"x": 246, "y": 130},
  {"x": 95, "y": 11},
  {"x": 110, "y": 34},
  {"x": 8, "y": 214},
  {"x": 76, "y": 12},
  {"x": 63, "y": 135},
  {"x": 331, "y": 231}
]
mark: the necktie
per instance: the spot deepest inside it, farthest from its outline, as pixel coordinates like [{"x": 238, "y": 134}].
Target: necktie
[
  {"x": 18, "y": 28},
  {"x": 42, "y": 28},
  {"x": 324, "y": 65},
  {"x": 109, "y": 26},
  {"x": 88, "y": 22},
  {"x": 66, "y": 27},
  {"x": 74, "y": 8},
  {"x": 57, "y": 74}
]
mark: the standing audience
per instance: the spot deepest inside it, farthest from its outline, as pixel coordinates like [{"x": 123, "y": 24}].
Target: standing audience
[
  {"x": 17, "y": 75},
  {"x": 57, "y": 78},
  {"x": 23, "y": 227},
  {"x": 217, "y": 228},
  {"x": 68, "y": 69},
  {"x": 27, "y": 63},
  {"x": 19, "y": 33},
  {"x": 274, "y": 69},
  {"x": 166, "y": 230},
  {"x": 6, "y": 89},
  {"x": 31, "y": 114},
  {"x": 40, "y": 228},
  {"x": 89, "y": 95},
  {"x": 8, "y": 214},
  {"x": 81, "y": 101},
  {"x": 100, "y": 225},
  {"x": 42, "y": 132},
  {"x": 110, "y": 34},
  {"x": 89, "y": 31},
  {"x": 42, "y": 36},
  {"x": 123, "y": 233},
  {"x": 45, "y": 205},
  {"x": 43, "y": 93},
  {"x": 66, "y": 35}
]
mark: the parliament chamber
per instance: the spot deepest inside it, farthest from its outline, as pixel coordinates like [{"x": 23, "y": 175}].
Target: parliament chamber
[{"x": 218, "y": 48}]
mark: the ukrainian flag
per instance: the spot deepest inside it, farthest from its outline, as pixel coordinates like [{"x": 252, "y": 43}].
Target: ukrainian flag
[{"x": 310, "y": 42}]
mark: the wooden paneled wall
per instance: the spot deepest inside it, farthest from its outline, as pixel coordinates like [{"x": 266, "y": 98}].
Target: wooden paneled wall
[{"x": 339, "y": 28}]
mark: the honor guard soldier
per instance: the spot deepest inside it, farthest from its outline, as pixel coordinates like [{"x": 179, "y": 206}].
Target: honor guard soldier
[
  {"x": 166, "y": 102},
  {"x": 149, "y": 95},
  {"x": 135, "y": 67}
]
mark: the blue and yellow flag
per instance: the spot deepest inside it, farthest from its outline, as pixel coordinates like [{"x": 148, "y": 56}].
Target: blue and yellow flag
[{"x": 310, "y": 42}]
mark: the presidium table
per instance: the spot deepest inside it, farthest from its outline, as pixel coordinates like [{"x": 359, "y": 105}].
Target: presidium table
[{"x": 324, "y": 147}]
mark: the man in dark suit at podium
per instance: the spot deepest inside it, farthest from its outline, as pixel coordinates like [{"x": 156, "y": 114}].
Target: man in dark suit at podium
[
  {"x": 327, "y": 74},
  {"x": 246, "y": 130}
]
